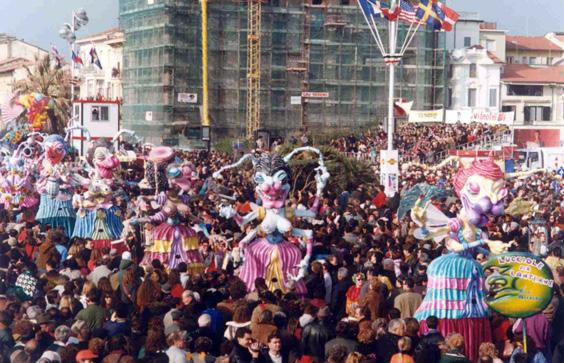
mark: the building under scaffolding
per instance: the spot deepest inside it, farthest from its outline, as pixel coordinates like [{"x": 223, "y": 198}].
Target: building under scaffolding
[{"x": 306, "y": 46}]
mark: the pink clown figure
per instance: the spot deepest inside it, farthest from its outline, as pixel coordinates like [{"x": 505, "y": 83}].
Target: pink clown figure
[
  {"x": 455, "y": 287},
  {"x": 267, "y": 252}
]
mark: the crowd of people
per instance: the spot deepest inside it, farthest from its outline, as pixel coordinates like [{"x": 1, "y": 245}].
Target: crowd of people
[
  {"x": 63, "y": 300},
  {"x": 417, "y": 142}
]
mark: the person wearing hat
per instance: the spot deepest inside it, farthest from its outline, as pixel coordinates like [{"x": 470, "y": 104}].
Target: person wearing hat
[
  {"x": 316, "y": 334},
  {"x": 86, "y": 356},
  {"x": 45, "y": 335}
]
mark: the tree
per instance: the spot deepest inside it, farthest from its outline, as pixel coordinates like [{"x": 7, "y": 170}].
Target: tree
[
  {"x": 345, "y": 173},
  {"x": 52, "y": 82}
]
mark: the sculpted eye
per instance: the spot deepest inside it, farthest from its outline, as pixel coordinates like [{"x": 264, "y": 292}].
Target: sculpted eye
[
  {"x": 502, "y": 193},
  {"x": 473, "y": 188},
  {"x": 281, "y": 176},
  {"x": 259, "y": 178}
]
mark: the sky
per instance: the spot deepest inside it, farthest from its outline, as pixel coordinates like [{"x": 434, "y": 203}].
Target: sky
[{"x": 38, "y": 21}]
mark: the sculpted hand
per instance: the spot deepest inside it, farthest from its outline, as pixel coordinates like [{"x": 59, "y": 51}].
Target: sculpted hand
[
  {"x": 497, "y": 247},
  {"x": 227, "y": 212},
  {"x": 321, "y": 178},
  {"x": 418, "y": 213}
]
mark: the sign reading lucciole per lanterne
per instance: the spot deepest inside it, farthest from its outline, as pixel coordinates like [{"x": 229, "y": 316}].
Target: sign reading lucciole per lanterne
[{"x": 518, "y": 284}]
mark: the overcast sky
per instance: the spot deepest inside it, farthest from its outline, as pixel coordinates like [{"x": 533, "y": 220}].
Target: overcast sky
[{"x": 38, "y": 21}]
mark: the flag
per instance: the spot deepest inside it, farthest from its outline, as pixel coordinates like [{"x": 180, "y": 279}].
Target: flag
[
  {"x": 450, "y": 16},
  {"x": 57, "y": 56},
  {"x": 94, "y": 59},
  {"x": 390, "y": 14},
  {"x": 76, "y": 58},
  {"x": 402, "y": 107},
  {"x": 429, "y": 13},
  {"x": 407, "y": 12},
  {"x": 371, "y": 8}
]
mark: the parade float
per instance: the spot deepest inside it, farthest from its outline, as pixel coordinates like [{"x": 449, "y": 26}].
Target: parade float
[
  {"x": 455, "y": 287},
  {"x": 267, "y": 251},
  {"x": 98, "y": 217},
  {"x": 170, "y": 240}
]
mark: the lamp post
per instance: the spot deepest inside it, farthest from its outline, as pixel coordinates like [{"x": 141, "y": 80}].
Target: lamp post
[{"x": 67, "y": 32}]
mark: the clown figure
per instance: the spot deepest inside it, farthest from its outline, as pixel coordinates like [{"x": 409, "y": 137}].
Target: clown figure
[{"x": 455, "y": 288}]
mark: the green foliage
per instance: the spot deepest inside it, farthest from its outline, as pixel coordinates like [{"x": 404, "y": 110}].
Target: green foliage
[
  {"x": 52, "y": 82},
  {"x": 225, "y": 146},
  {"x": 345, "y": 173}
]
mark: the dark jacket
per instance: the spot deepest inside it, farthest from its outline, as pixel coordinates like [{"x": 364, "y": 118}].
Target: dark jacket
[
  {"x": 315, "y": 286},
  {"x": 387, "y": 346},
  {"x": 240, "y": 354},
  {"x": 314, "y": 337},
  {"x": 339, "y": 298},
  {"x": 428, "y": 348}
]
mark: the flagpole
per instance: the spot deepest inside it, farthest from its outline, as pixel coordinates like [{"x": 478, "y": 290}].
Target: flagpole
[
  {"x": 73, "y": 29},
  {"x": 392, "y": 28}
]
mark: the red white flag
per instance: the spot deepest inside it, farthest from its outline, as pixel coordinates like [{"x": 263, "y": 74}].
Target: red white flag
[{"x": 451, "y": 17}]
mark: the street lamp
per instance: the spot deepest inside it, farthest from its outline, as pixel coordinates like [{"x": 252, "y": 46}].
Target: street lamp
[{"x": 67, "y": 32}]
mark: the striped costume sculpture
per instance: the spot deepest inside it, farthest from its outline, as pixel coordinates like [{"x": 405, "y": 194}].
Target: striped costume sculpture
[
  {"x": 56, "y": 185},
  {"x": 97, "y": 217},
  {"x": 16, "y": 188},
  {"x": 267, "y": 252},
  {"x": 455, "y": 288},
  {"x": 172, "y": 241}
]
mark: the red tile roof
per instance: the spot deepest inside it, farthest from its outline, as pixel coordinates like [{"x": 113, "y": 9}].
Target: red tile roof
[
  {"x": 522, "y": 73},
  {"x": 530, "y": 43}
]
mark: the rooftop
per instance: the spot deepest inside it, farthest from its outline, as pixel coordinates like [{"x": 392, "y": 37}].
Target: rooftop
[
  {"x": 11, "y": 64},
  {"x": 530, "y": 43},
  {"x": 113, "y": 33},
  {"x": 523, "y": 73},
  {"x": 491, "y": 55}
]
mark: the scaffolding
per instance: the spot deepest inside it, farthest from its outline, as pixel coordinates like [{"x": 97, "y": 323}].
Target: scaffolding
[{"x": 311, "y": 46}]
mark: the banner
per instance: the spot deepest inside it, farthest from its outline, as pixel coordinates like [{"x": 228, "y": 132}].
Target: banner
[
  {"x": 389, "y": 171},
  {"x": 518, "y": 284},
  {"x": 426, "y": 116},
  {"x": 188, "y": 97},
  {"x": 484, "y": 117}
]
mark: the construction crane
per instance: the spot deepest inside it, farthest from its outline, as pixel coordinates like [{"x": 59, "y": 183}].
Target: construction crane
[{"x": 253, "y": 67}]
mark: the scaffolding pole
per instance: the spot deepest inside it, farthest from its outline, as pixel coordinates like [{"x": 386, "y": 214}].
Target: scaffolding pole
[{"x": 253, "y": 67}]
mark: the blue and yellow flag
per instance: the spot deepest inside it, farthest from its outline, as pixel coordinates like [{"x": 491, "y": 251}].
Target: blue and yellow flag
[{"x": 430, "y": 13}]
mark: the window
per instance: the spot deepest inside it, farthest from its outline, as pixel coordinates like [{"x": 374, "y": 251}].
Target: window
[
  {"x": 491, "y": 45},
  {"x": 471, "y": 97},
  {"x": 510, "y": 59},
  {"x": 100, "y": 113},
  {"x": 524, "y": 90},
  {"x": 549, "y": 61},
  {"x": 493, "y": 97},
  {"x": 508, "y": 108},
  {"x": 524, "y": 60},
  {"x": 467, "y": 41},
  {"x": 449, "y": 98},
  {"x": 532, "y": 60},
  {"x": 537, "y": 113},
  {"x": 473, "y": 68}
]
